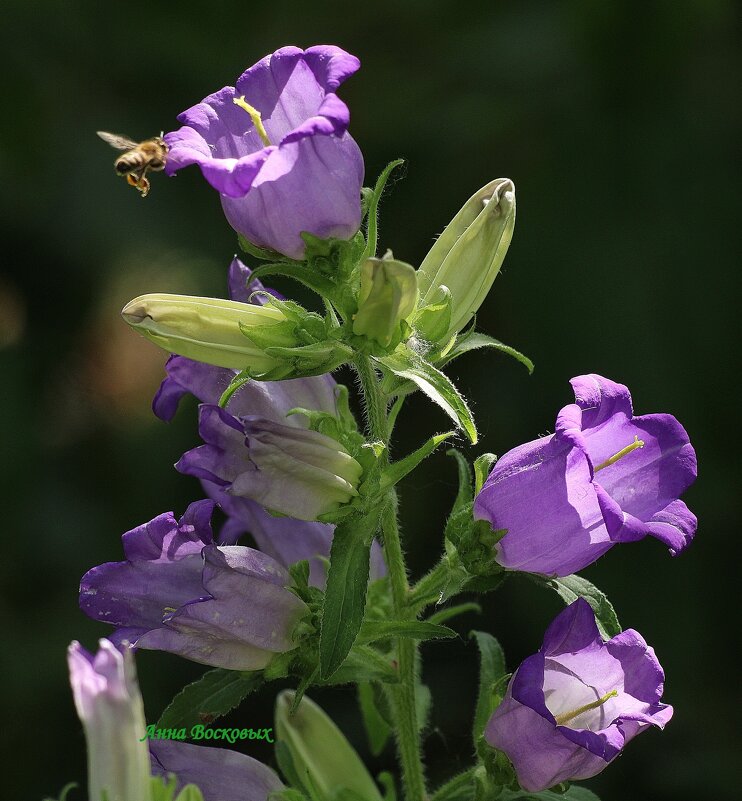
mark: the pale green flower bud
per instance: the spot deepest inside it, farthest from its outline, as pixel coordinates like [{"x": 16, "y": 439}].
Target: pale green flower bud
[
  {"x": 467, "y": 256},
  {"x": 388, "y": 295},
  {"x": 209, "y": 329},
  {"x": 109, "y": 704},
  {"x": 321, "y": 758}
]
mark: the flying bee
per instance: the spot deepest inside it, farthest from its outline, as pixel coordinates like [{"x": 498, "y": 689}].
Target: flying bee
[{"x": 139, "y": 158}]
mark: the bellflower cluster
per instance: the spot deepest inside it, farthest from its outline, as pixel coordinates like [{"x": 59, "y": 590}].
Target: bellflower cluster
[{"x": 284, "y": 459}]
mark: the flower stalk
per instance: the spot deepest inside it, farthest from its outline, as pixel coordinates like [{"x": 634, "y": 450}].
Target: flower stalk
[{"x": 403, "y": 694}]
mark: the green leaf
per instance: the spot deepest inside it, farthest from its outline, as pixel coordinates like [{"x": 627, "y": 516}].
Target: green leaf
[
  {"x": 65, "y": 792},
  {"x": 398, "y": 470},
  {"x": 423, "y": 704},
  {"x": 373, "y": 209},
  {"x": 437, "y": 386},
  {"x": 491, "y": 671},
  {"x": 378, "y": 730},
  {"x": 213, "y": 695},
  {"x": 190, "y": 793},
  {"x": 474, "y": 341},
  {"x": 264, "y": 254},
  {"x": 464, "y": 495},
  {"x": 363, "y": 664},
  {"x": 386, "y": 780},
  {"x": 373, "y": 630},
  {"x": 570, "y": 588},
  {"x": 345, "y": 596},
  {"x": 236, "y": 383},
  {"x": 482, "y": 467},
  {"x": 454, "y": 611},
  {"x": 299, "y": 272},
  {"x": 574, "y": 793}
]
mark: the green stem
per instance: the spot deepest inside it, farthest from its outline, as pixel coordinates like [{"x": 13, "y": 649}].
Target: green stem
[{"x": 403, "y": 694}]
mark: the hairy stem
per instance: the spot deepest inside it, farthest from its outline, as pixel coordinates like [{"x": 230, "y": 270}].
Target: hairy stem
[{"x": 403, "y": 694}]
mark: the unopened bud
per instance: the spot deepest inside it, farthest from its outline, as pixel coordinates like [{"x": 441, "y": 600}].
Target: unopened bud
[
  {"x": 388, "y": 295},
  {"x": 209, "y": 330},
  {"x": 467, "y": 256},
  {"x": 323, "y": 760}
]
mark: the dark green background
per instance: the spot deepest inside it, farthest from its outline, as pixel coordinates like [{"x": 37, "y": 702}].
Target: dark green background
[{"x": 618, "y": 122}]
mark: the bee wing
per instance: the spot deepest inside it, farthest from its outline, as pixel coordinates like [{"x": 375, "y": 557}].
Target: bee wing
[{"x": 119, "y": 142}]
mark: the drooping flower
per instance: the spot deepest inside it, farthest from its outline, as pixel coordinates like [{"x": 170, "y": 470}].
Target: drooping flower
[
  {"x": 277, "y": 149},
  {"x": 220, "y": 773},
  {"x": 221, "y": 605},
  {"x": 109, "y": 704},
  {"x": 284, "y": 467},
  {"x": 286, "y": 539},
  {"x": 604, "y": 477},
  {"x": 570, "y": 709}
]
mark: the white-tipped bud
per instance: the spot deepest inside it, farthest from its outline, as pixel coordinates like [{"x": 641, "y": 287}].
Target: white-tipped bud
[
  {"x": 467, "y": 256},
  {"x": 208, "y": 330}
]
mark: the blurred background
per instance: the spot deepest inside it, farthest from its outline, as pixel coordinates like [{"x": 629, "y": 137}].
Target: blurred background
[{"x": 620, "y": 125}]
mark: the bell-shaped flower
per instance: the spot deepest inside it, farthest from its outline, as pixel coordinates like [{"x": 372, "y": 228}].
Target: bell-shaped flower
[
  {"x": 604, "y": 477},
  {"x": 570, "y": 709},
  {"x": 465, "y": 259},
  {"x": 109, "y": 704},
  {"x": 276, "y": 148},
  {"x": 221, "y": 605},
  {"x": 221, "y": 774}
]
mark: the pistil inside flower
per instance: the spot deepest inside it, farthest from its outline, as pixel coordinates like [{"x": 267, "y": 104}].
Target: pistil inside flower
[
  {"x": 637, "y": 443},
  {"x": 565, "y": 717},
  {"x": 256, "y": 118}
]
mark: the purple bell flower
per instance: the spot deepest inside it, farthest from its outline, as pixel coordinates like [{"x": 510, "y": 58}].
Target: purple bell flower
[
  {"x": 604, "y": 477},
  {"x": 178, "y": 591},
  {"x": 276, "y": 148},
  {"x": 570, "y": 709},
  {"x": 220, "y": 773}
]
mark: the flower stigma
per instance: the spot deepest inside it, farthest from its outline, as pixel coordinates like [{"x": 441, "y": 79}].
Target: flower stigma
[
  {"x": 637, "y": 443},
  {"x": 257, "y": 120},
  {"x": 567, "y": 716}
]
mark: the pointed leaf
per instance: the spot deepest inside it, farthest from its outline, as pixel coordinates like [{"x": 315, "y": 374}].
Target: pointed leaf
[
  {"x": 437, "y": 386},
  {"x": 213, "y": 695},
  {"x": 398, "y": 470},
  {"x": 373, "y": 630},
  {"x": 570, "y": 588},
  {"x": 373, "y": 209},
  {"x": 345, "y": 596},
  {"x": 378, "y": 730},
  {"x": 474, "y": 341},
  {"x": 464, "y": 494},
  {"x": 363, "y": 664},
  {"x": 492, "y": 670},
  {"x": 454, "y": 611}
]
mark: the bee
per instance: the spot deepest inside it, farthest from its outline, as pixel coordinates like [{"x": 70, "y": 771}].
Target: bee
[{"x": 139, "y": 159}]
